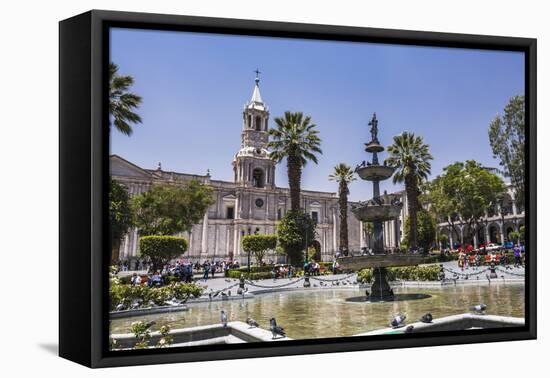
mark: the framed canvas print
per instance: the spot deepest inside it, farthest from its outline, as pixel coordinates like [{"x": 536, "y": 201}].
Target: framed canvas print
[{"x": 235, "y": 188}]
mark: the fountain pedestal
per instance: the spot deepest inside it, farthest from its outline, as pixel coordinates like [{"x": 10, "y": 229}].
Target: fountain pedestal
[
  {"x": 380, "y": 289},
  {"x": 379, "y": 209}
]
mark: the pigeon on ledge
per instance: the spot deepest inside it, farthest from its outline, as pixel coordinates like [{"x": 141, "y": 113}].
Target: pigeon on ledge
[
  {"x": 275, "y": 329},
  {"x": 223, "y": 318}
]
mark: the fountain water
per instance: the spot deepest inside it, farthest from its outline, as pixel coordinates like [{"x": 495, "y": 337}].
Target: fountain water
[{"x": 377, "y": 210}]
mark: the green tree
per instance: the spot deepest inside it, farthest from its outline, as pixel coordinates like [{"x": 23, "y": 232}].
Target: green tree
[
  {"x": 368, "y": 230},
  {"x": 426, "y": 229},
  {"x": 343, "y": 175},
  {"x": 411, "y": 158},
  {"x": 507, "y": 139},
  {"x": 444, "y": 240},
  {"x": 296, "y": 232},
  {"x": 259, "y": 244},
  {"x": 514, "y": 236},
  {"x": 161, "y": 249},
  {"x": 522, "y": 232},
  {"x": 169, "y": 209},
  {"x": 466, "y": 190},
  {"x": 122, "y": 103},
  {"x": 296, "y": 139},
  {"x": 120, "y": 217}
]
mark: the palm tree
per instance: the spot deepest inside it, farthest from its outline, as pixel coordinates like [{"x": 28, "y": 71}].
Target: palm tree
[
  {"x": 411, "y": 158},
  {"x": 343, "y": 175},
  {"x": 296, "y": 139},
  {"x": 122, "y": 102}
]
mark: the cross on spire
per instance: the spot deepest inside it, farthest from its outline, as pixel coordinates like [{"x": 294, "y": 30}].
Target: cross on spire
[{"x": 257, "y": 71}]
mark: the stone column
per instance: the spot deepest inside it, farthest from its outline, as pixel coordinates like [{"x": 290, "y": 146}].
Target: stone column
[
  {"x": 462, "y": 235},
  {"x": 235, "y": 240},
  {"x": 361, "y": 235},
  {"x": 487, "y": 236},
  {"x": 451, "y": 238},
  {"x": 502, "y": 233},
  {"x": 204, "y": 236}
]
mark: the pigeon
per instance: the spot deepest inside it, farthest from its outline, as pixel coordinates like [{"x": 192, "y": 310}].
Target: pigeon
[
  {"x": 367, "y": 293},
  {"x": 210, "y": 296},
  {"x": 120, "y": 307},
  {"x": 409, "y": 329},
  {"x": 223, "y": 318},
  {"x": 397, "y": 321},
  {"x": 252, "y": 323},
  {"x": 426, "y": 318},
  {"x": 275, "y": 329},
  {"x": 227, "y": 280},
  {"x": 479, "y": 309}
]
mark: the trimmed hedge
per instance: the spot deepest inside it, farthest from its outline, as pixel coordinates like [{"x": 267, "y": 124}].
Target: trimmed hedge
[
  {"x": 407, "y": 273},
  {"x": 161, "y": 249},
  {"x": 127, "y": 295}
]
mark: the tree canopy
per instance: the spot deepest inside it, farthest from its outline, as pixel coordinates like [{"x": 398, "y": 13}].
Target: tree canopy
[
  {"x": 507, "y": 139},
  {"x": 343, "y": 175},
  {"x": 120, "y": 213},
  {"x": 168, "y": 209},
  {"x": 122, "y": 102},
  {"x": 161, "y": 249},
  {"x": 466, "y": 190},
  {"x": 426, "y": 229},
  {"x": 410, "y": 157},
  {"x": 294, "y": 231},
  {"x": 259, "y": 244},
  {"x": 295, "y": 138}
]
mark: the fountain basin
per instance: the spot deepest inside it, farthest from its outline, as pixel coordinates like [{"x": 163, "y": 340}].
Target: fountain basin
[
  {"x": 374, "y": 146},
  {"x": 375, "y": 212},
  {"x": 356, "y": 263},
  {"x": 375, "y": 172}
]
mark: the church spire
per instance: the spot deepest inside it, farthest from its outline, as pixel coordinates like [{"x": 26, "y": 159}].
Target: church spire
[{"x": 256, "y": 99}]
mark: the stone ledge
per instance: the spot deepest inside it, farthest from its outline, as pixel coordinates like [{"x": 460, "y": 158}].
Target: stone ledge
[
  {"x": 235, "y": 332},
  {"x": 457, "y": 322}
]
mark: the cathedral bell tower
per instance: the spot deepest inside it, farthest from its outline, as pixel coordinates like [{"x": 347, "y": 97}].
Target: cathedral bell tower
[{"x": 252, "y": 165}]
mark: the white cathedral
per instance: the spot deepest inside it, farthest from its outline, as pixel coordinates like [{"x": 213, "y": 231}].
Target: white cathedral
[{"x": 253, "y": 203}]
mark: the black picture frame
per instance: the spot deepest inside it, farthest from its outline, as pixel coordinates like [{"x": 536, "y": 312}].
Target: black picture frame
[{"x": 84, "y": 169}]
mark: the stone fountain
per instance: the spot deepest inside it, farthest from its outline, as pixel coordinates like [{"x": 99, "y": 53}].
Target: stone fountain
[{"x": 377, "y": 210}]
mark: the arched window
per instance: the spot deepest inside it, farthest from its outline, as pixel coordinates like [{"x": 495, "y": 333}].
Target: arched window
[
  {"x": 258, "y": 178},
  {"x": 258, "y": 123}
]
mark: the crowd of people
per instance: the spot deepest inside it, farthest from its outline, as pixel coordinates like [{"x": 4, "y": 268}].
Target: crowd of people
[{"x": 477, "y": 258}]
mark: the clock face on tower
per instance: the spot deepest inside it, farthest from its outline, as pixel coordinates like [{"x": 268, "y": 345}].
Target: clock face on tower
[{"x": 259, "y": 202}]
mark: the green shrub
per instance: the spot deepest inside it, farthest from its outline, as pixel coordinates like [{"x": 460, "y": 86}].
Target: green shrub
[
  {"x": 406, "y": 273},
  {"x": 129, "y": 294},
  {"x": 161, "y": 249}
]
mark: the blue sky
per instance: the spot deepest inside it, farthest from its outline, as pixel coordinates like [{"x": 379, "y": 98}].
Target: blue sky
[{"x": 194, "y": 87}]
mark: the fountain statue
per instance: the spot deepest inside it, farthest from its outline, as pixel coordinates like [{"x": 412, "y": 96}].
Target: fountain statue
[{"x": 377, "y": 210}]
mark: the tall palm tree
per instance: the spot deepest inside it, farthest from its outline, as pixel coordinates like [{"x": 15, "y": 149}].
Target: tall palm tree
[
  {"x": 411, "y": 158},
  {"x": 343, "y": 175},
  {"x": 296, "y": 139},
  {"x": 122, "y": 103}
]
